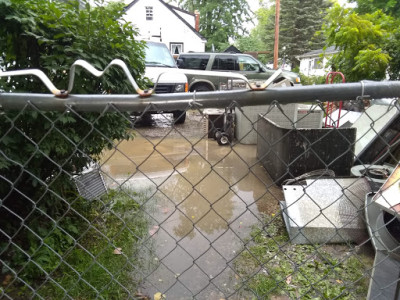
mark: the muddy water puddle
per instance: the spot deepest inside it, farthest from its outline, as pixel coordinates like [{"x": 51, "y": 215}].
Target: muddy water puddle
[
  {"x": 154, "y": 121},
  {"x": 203, "y": 200}
]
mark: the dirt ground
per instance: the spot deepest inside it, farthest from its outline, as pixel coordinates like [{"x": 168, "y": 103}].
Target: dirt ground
[{"x": 162, "y": 125}]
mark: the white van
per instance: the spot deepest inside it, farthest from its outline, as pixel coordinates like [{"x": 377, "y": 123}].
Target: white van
[{"x": 158, "y": 61}]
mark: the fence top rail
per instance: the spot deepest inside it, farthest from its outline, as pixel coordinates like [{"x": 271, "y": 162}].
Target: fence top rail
[{"x": 176, "y": 101}]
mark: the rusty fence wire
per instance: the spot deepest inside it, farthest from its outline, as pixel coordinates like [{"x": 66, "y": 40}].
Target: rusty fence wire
[{"x": 244, "y": 202}]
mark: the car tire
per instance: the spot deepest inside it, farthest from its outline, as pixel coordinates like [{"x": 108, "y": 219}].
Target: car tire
[
  {"x": 201, "y": 88},
  {"x": 179, "y": 116}
]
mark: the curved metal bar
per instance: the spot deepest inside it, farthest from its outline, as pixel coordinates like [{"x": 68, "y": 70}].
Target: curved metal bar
[
  {"x": 83, "y": 64},
  {"x": 35, "y": 72},
  {"x": 116, "y": 62},
  {"x": 267, "y": 83}
]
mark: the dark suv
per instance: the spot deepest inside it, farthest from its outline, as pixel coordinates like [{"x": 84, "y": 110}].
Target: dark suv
[{"x": 244, "y": 64}]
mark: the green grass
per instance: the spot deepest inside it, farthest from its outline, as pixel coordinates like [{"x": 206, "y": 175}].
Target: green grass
[
  {"x": 83, "y": 264},
  {"x": 271, "y": 266}
]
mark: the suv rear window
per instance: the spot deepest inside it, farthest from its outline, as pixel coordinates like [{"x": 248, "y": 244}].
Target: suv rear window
[
  {"x": 194, "y": 62},
  {"x": 225, "y": 63}
]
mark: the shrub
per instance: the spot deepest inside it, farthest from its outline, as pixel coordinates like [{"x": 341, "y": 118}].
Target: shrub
[
  {"x": 310, "y": 80},
  {"x": 41, "y": 151}
]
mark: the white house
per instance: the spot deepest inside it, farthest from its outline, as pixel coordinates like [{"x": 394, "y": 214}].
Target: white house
[
  {"x": 162, "y": 22},
  {"x": 312, "y": 64}
]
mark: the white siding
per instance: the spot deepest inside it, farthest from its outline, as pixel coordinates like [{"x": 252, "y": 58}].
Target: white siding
[
  {"x": 309, "y": 67},
  {"x": 188, "y": 17},
  {"x": 164, "y": 23}
]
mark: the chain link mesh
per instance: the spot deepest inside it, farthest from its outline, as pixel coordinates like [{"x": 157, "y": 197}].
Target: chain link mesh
[{"x": 242, "y": 203}]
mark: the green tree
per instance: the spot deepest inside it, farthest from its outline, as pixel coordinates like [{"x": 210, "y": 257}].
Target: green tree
[
  {"x": 389, "y": 7},
  {"x": 220, "y": 20},
  {"x": 367, "y": 43},
  {"x": 300, "y": 20},
  {"x": 40, "y": 152},
  {"x": 392, "y": 48},
  {"x": 250, "y": 43},
  {"x": 259, "y": 37},
  {"x": 299, "y": 23}
]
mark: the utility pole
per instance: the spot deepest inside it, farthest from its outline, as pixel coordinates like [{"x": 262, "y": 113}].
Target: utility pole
[{"x": 276, "y": 44}]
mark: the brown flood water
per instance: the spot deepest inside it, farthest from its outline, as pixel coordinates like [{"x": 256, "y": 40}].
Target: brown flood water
[{"x": 203, "y": 200}]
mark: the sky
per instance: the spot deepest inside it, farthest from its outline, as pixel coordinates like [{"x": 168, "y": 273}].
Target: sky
[{"x": 254, "y": 4}]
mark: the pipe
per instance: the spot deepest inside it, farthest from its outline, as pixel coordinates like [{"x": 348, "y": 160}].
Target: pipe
[
  {"x": 218, "y": 99},
  {"x": 276, "y": 42}
]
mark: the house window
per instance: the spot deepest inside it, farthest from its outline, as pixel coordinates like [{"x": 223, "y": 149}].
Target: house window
[
  {"x": 149, "y": 13},
  {"x": 176, "y": 48},
  {"x": 317, "y": 64}
]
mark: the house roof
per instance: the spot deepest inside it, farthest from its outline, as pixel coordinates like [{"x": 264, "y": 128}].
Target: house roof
[
  {"x": 314, "y": 53},
  {"x": 180, "y": 9},
  {"x": 172, "y": 9},
  {"x": 232, "y": 49}
]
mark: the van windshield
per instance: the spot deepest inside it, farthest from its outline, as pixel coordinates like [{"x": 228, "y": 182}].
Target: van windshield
[{"x": 158, "y": 55}]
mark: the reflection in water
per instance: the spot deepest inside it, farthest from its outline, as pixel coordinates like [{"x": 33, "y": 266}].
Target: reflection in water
[
  {"x": 203, "y": 198},
  {"x": 153, "y": 120}
]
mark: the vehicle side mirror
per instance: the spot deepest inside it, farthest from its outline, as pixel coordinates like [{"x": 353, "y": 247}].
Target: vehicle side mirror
[
  {"x": 260, "y": 69},
  {"x": 179, "y": 63}
]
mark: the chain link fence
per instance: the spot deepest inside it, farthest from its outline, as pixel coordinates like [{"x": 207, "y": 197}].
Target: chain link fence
[{"x": 238, "y": 202}]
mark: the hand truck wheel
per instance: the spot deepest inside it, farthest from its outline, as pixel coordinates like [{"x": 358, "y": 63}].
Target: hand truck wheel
[{"x": 223, "y": 139}]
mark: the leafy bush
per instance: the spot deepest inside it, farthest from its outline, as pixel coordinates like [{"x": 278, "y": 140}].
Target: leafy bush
[
  {"x": 310, "y": 80},
  {"x": 51, "y": 35},
  {"x": 41, "y": 151},
  {"x": 367, "y": 43}
]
